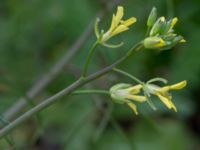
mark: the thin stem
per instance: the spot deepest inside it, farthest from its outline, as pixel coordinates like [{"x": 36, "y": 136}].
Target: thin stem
[
  {"x": 91, "y": 92},
  {"x": 88, "y": 59},
  {"x": 39, "y": 107},
  {"x": 128, "y": 75},
  {"x": 79, "y": 83}
]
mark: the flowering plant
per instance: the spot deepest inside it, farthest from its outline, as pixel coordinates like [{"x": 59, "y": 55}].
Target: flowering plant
[{"x": 160, "y": 36}]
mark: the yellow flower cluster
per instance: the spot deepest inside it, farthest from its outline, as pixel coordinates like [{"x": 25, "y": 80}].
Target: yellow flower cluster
[
  {"x": 161, "y": 35},
  {"x": 126, "y": 93}
]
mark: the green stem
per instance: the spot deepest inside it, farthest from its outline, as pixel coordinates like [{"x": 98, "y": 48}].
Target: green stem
[
  {"x": 128, "y": 75},
  {"x": 67, "y": 91},
  {"x": 91, "y": 92},
  {"x": 88, "y": 59}
]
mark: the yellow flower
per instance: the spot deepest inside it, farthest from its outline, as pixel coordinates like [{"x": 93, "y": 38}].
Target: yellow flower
[
  {"x": 163, "y": 92},
  {"x": 117, "y": 26},
  {"x": 125, "y": 93}
]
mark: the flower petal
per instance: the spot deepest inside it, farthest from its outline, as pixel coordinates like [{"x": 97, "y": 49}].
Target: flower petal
[
  {"x": 129, "y": 21},
  {"x": 133, "y": 107},
  {"x": 119, "y": 29},
  {"x": 163, "y": 89},
  {"x": 179, "y": 85},
  {"x": 135, "y": 89},
  {"x": 119, "y": 14},
  {"x": 137, "y": 98},
  {"x": 113, "y": 24},
  {"x": 165, "y": 100},
  {"x": 173, "y": 106}
]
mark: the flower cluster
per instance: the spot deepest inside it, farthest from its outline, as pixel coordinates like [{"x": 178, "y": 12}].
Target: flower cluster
[
  {"x": 125, "y": 93},
  {"x": 161, "y": 32},
  {"x": 117, "y": 26},
  {"x": 161, "y": 36}
]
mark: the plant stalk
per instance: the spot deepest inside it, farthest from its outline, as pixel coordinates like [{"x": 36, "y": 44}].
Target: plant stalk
[{"x": 79, "y": 83}]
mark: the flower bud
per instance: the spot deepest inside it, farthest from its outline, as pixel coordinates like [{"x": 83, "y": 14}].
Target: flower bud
[
  {"x": 152, "y": 17},
  {"x": 118, "y": 92},
  {"x": 154, "y": 42},
  {"x": 157, "y": 26},
  {"x": 169, "y": 26},
  {"x": 177, "y": 39}
]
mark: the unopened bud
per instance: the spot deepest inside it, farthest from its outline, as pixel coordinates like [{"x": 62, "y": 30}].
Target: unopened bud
[
  {"x": 172, "y": 43},
  {"x": 154, "y": 43},
  {"x": 177, "y": 39},
  {"x": 152, "y": 17},
  {"x": 157, "y": 26},
  {"x": 118, "y": 92}
]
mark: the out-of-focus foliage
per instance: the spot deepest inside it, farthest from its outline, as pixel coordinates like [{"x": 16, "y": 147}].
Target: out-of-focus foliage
[{"x": 35, "y": 34}]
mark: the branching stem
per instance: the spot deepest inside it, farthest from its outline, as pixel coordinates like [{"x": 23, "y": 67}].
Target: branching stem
[{"x": 67, "y": 91}]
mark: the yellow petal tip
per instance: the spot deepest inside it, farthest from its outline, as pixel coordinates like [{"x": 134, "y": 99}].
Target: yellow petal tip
[
  {"x": 183, "y": 41},
  {"x": 162, "y": 18},
  {"x": 133, "y": 107},
  {"x": 179, "y": 85}
]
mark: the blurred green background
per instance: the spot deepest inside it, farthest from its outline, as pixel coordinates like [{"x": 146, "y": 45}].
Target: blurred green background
[{"x": 35, "y": 34}]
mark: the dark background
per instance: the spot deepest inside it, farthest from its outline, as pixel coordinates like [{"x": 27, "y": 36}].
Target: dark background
[{"x": 35, "y": 34}]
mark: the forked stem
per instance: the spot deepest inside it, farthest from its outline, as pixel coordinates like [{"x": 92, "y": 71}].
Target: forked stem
[{"x": 67, "y": 91}]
